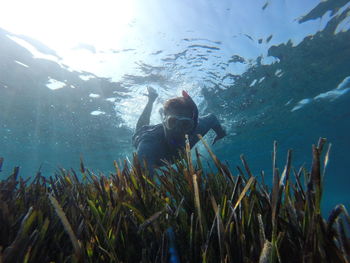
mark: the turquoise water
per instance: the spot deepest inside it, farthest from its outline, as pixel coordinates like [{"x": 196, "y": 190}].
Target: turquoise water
[{"x": 269, "y": 70}]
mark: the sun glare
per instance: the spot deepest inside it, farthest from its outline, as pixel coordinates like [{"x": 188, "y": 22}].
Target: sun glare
[{"x": 63, "y": 24}]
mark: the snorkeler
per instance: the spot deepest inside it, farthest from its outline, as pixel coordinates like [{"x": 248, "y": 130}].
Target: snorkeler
[{"x": 163, "y": 141}]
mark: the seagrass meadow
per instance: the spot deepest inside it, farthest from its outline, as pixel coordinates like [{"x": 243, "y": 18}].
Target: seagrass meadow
[{"x": 183, "y": 213}]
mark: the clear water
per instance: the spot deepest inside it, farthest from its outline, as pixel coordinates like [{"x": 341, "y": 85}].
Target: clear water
[{"x": 270, "y": 70}]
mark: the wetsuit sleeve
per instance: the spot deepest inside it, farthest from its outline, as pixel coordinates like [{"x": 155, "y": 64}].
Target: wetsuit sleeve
[
  {"x": 144, "y": 153},
  {"x": 148, "y": 143},
  {"x": 206, "y": 123},
  {"x": 151, "y": 152}
]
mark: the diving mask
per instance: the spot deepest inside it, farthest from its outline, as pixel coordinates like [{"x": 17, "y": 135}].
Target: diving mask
[{"x": 173, "y": 122}]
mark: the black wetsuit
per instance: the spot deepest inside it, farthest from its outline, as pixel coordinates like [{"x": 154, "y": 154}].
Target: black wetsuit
[{"x": 152, "y": 145}]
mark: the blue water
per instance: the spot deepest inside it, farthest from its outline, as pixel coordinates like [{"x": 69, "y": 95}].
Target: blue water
[{"x": 269, "y": 70}]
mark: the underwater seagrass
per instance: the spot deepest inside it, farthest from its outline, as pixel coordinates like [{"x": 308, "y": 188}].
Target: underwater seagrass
[{"x": 201, "y": 216}]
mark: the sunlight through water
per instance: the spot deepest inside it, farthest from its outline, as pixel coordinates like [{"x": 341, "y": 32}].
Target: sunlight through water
[{"x": 74, "y": 78}]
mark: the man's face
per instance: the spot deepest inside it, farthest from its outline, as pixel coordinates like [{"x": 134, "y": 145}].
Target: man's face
[{"x": 177, "y": 124}]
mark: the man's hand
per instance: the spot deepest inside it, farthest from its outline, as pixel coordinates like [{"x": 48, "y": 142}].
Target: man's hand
[
  {"x": 152, "y": 94},
  {"x": 219, "y": 135}
]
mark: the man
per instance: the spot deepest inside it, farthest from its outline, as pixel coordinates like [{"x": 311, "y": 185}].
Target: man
[{"x": 163, "y": 141}]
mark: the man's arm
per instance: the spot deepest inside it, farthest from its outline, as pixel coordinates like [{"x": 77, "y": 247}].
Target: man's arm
[
  {"x": 206, "y": 123},
  {"x": 146, "y": 114}
]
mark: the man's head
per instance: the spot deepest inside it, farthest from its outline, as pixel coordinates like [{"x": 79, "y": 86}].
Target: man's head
[{"x": 180, "y": 115}]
